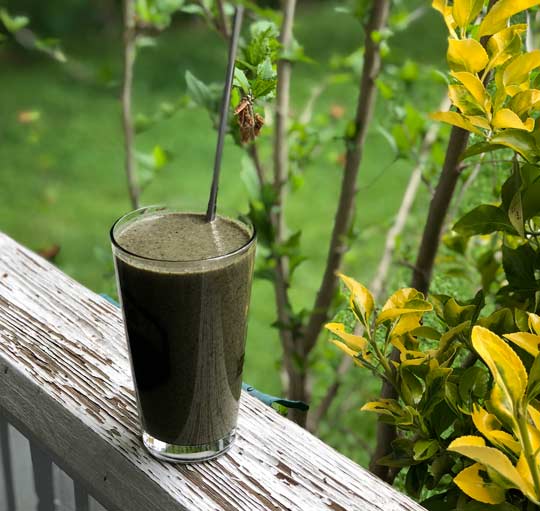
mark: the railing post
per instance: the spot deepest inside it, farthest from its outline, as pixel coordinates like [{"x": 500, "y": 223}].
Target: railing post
[
  {"x": 81, "y": 497},
  {"x": 43, "y": 478},
  {"x": 6, "y": 464}
]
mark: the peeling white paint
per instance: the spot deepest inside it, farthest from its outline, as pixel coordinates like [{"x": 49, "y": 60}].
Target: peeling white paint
[{"x": 64, "y": 376}]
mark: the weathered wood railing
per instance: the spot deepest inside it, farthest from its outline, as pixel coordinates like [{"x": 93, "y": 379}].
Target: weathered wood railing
[{"x": 65, "y": 384}]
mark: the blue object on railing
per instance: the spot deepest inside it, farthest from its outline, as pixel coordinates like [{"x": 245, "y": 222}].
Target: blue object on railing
[{"x": 267, "y": 399}]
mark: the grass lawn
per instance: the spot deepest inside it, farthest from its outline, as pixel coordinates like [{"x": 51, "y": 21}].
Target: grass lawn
[{"x": 62, "y": 182}]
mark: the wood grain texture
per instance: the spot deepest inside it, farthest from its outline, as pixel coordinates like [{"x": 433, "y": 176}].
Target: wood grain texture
[{"x": 65, "y": 382}]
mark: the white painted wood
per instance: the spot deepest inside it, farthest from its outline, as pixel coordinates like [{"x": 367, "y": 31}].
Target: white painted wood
[
  {"x": 65, "y": 381},
  {"x": 64, "y": 497},
  {"x": 25, "y": 497},
  {"x": 42, "y": 468}
]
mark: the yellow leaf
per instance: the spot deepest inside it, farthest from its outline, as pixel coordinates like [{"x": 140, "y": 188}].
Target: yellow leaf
[
  {"x": 466, "y": 11},
  {"x": 509, "y": 375},
  {"x": 489, "y": 426},
  {"x": 523, "y": 468},
  {"x": 534, "y": 322},
  {"x": 505, "y": 118},
  {"x": 463, "y": 100},
  {"x": 525, "y": 101},
  {"x": 456, "y": 119},
  {"x": 474, "y": 481},
  {"x": 343, "y": 347},
  {"x": 466, "y": 55},
  {"x": 479, "y": 121},
  {"x": 446, "y": 11},
  {"x": 412, "y": 307},
  {"x": 355, "y": 342},
  {"x": 475, "y": 87},
  {"x": 535, "y": 416},
  {"x": 492, "y": 459},
  {"x": 505, "y": 441},
  {"x": 526, "y": 341},
  {"x": 401, "y": 297},
  {"x": 516, "y": 75},
  {"x": 497, "y": 18},
  {"x": 407, "y": 323},
  {"x": 403, "y": 301},
  {"x": 504, "y": 45},
  {"x": 361, "y": 300},
  {"x": 467, "y": 440}
]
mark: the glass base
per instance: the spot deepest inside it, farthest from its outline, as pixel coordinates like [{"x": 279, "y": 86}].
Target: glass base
[{"x": 187, "y": 453}]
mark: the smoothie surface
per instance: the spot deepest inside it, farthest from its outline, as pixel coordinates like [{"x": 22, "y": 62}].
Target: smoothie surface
[{"x": 182, "y": 237}]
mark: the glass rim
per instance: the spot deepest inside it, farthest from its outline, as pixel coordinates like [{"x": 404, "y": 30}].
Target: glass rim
[{"x": 157, "y": 208}]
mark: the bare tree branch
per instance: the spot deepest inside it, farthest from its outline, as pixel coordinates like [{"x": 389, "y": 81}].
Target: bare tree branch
[
  {"x": 223, "y": 25},
  {"x": 253, "y": 152},
  {"x": 281, "y": 168},
  {"x": 377, "y": 284},
  {"x": 127, "y": 116},
  {"x": 342, "y": 222}
]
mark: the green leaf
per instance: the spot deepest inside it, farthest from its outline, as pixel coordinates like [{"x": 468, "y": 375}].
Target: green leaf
[
  {"x": 515, "y": 214},
  {"x": 483, "y": 219},
  {"x": 13, "y": 23},
  {"x": 531, "y": 200},
  {"x": 519, "y": 266},
  {"x": 144, "y": 41},
  {"x": 241, "y": 81},
  {"x": 472, "y": 385},
  {"x": 533, "y": 386},
  {"x": 479, "y": 148},
  {"x": 518, "y": 140},
  {"x": 501, "y": 321},
  {"x": 425, "y": 449},
  {"x": 415, "y": 480},
  {"x": 199, "y": 92}
]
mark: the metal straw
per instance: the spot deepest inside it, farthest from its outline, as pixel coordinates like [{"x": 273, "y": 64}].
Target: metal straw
[{"x": 238, "y": 14}]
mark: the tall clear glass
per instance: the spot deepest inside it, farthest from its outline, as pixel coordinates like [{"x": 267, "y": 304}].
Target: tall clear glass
[{"x": 185, "y": 322}]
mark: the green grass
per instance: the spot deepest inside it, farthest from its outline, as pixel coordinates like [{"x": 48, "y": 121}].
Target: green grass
[{"x": 62, "y": 178}]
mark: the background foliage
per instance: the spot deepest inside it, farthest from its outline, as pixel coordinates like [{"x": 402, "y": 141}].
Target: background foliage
[{"x": 61, "y": 156}]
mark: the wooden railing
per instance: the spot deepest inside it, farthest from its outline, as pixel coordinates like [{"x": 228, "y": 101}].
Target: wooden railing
[{"x": 65, "y": 384}]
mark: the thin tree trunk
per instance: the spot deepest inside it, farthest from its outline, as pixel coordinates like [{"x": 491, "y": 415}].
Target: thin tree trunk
[
  {"x": 423, "y": 268},
  {"x": 127, "y": 91},
  {"x": 281, "y": 168},
  {"x": 342, "y": 222},
  {"x": 222, "y": 23},
  {"x": 378, "y": 282},
  {"x": 438, "y": 209}
]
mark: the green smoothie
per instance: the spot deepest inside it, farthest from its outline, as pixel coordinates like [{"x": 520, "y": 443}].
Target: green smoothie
[{"x": 185, "y": 286}]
